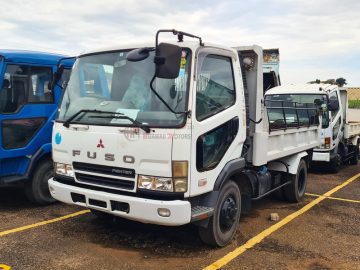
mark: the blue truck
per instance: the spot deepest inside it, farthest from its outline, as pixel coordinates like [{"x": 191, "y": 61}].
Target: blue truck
[{"x": 29, "y": 98}]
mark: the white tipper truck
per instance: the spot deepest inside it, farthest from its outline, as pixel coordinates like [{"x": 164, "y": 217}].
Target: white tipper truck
[
  {"x": 341, "y": 139},
  {"x": 177, "y": 133}
]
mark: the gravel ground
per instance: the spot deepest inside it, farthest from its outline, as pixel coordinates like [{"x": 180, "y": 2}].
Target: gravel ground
[{"x": 325, "y": 237}]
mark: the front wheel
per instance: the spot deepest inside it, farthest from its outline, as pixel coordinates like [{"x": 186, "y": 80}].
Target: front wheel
[
  {"x": 222, "y": 225},
  {"x": 295, "y": 191},
  {"x": 37, "y": 188},
  {"x": 335, "y": 163},
  {"x": 355, "y": 156}
]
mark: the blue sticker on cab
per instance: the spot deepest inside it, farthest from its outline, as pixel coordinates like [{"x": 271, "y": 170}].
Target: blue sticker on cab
[{"x": 58, "y": 138}]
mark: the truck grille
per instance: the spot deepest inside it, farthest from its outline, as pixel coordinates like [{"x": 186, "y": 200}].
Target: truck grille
[
  {"x": 101, "y": 169},
  {"x": 105, "y": 181}
]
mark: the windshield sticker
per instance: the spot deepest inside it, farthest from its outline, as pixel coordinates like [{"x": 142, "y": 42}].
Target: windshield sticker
[
  {"x": 128, "y": 112},
  {"x": 182, "y": 64}
]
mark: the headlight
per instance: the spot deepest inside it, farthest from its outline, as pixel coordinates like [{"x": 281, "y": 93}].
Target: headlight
[
  {"x": 327, "y": 142},
  {"x": 155, "y": 183},
  {"x": 177, "y": 183},
  {"x": 64, "y": 169}
]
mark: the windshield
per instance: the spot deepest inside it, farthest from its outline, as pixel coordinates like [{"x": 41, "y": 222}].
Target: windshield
[{"x": 108, "y": 82}]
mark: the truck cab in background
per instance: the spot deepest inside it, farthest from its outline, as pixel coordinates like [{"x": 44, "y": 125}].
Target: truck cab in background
[
  {"x": 271, "y": 74},
  {"x": 341, "y": 140},
  {"x": 27, "y": 109}
]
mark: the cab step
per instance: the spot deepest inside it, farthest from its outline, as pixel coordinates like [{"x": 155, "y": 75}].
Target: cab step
[{"x": 201, "y": 212}]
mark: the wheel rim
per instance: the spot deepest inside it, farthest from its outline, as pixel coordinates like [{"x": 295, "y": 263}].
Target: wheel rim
[
  {"x": 301, "y": 181},
  {"x": 228, "y": 213}
]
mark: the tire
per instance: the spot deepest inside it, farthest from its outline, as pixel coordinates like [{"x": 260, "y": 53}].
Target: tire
[
  {"x": 37, "y": 188},
  {"x": 223, "y": 224},
  {"x": 355, "y": 156},
  {"x": 101, "y": 215},
  {"x": 335, "y": 164},
  {"x": 295, "y": 191}
]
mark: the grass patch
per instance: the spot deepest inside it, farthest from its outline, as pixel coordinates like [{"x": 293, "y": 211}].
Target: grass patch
[{"x": 354, "y": 104}]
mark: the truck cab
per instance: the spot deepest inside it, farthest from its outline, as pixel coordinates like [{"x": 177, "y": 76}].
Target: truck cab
[
  {"x": 27, "y": 110},
  {"x": 340, "y": 140}
]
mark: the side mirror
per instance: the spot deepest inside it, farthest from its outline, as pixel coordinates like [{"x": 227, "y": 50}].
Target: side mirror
[
  {"x": 333, "y": 105},
  {"x": 57, "y": 76},
  {"x": 167, "y": 60}
]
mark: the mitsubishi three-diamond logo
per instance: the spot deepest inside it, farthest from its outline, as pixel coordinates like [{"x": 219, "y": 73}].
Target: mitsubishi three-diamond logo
[{"x": 100, "y": 144}]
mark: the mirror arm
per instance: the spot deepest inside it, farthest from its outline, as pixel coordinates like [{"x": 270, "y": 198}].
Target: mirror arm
[
  {"x": 186, "y": 113},
  {"x": 180, "y": 35}
]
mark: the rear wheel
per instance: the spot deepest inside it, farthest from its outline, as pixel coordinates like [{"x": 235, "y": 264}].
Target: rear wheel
[
  {"x": 295, "y": 191},
  {"x": 222, "y": 225},
  {"x": 37, "y": 188}
]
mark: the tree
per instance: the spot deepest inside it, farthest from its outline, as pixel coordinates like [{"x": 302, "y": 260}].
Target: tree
[
  {"x": 316, "y": 81},
  {"x": 341, "y": 81}
]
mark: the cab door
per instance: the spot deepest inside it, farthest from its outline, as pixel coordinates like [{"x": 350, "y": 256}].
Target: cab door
[
  {"x": 27, "y": 107},
  {"x": 217, "y": 108}
]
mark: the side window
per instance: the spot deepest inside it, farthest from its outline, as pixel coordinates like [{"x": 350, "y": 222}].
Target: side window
[
  {"x": 215, "y": 86},
  {"x": 24, "y": 84},
  {"x": 17, "y": 133},
  {"x": 336, "y": 129},
  {"x": 39, "y": 91},
  {"x": 65, "y": 77},
  {"x": 212, "y": 146},
  {"x": 334, "y": 97}
]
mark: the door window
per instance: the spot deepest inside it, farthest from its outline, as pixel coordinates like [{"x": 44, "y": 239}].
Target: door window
[
  {"x": 24, "y": 84},
  {"x": 215, "y": 86},
  {"x": 334, "y": 97}
]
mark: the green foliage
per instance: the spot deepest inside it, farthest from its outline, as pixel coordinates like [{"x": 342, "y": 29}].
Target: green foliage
[{"x": 354, "y": 104}]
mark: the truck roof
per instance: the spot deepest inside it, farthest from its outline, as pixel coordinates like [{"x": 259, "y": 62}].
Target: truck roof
[
  {"x": 24, "y": 56},
  {"x": 305, "y": 88},
  {"x": 193, "y": 45}
]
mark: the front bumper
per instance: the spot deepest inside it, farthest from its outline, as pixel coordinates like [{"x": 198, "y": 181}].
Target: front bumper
[
  {"x": 321, "y": 156},
  {"x": 140, "y": 209}
]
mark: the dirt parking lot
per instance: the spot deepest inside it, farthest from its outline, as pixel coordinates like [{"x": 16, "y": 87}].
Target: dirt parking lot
[{"x": 322, "y": 232}]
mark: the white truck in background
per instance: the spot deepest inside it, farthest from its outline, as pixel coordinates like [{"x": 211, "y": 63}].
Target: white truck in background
[
  {"x": 341, "y": 140},
  {"x": 177, "y": 133}
]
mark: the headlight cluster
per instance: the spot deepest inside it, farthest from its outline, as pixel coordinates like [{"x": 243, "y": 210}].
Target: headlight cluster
[
  {"x": 327, "y": 142},
  {"x": 64, "y": 169},
  {"x": 177, "y": 183}
]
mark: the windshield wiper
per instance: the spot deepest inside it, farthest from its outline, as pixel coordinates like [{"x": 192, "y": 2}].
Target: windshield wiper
[
  {"x": 68, "y": 121},
  {"x": 122, "y": 116}
]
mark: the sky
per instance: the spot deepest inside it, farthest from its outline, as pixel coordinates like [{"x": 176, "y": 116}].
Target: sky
[{"x": 318, "y": 39}]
